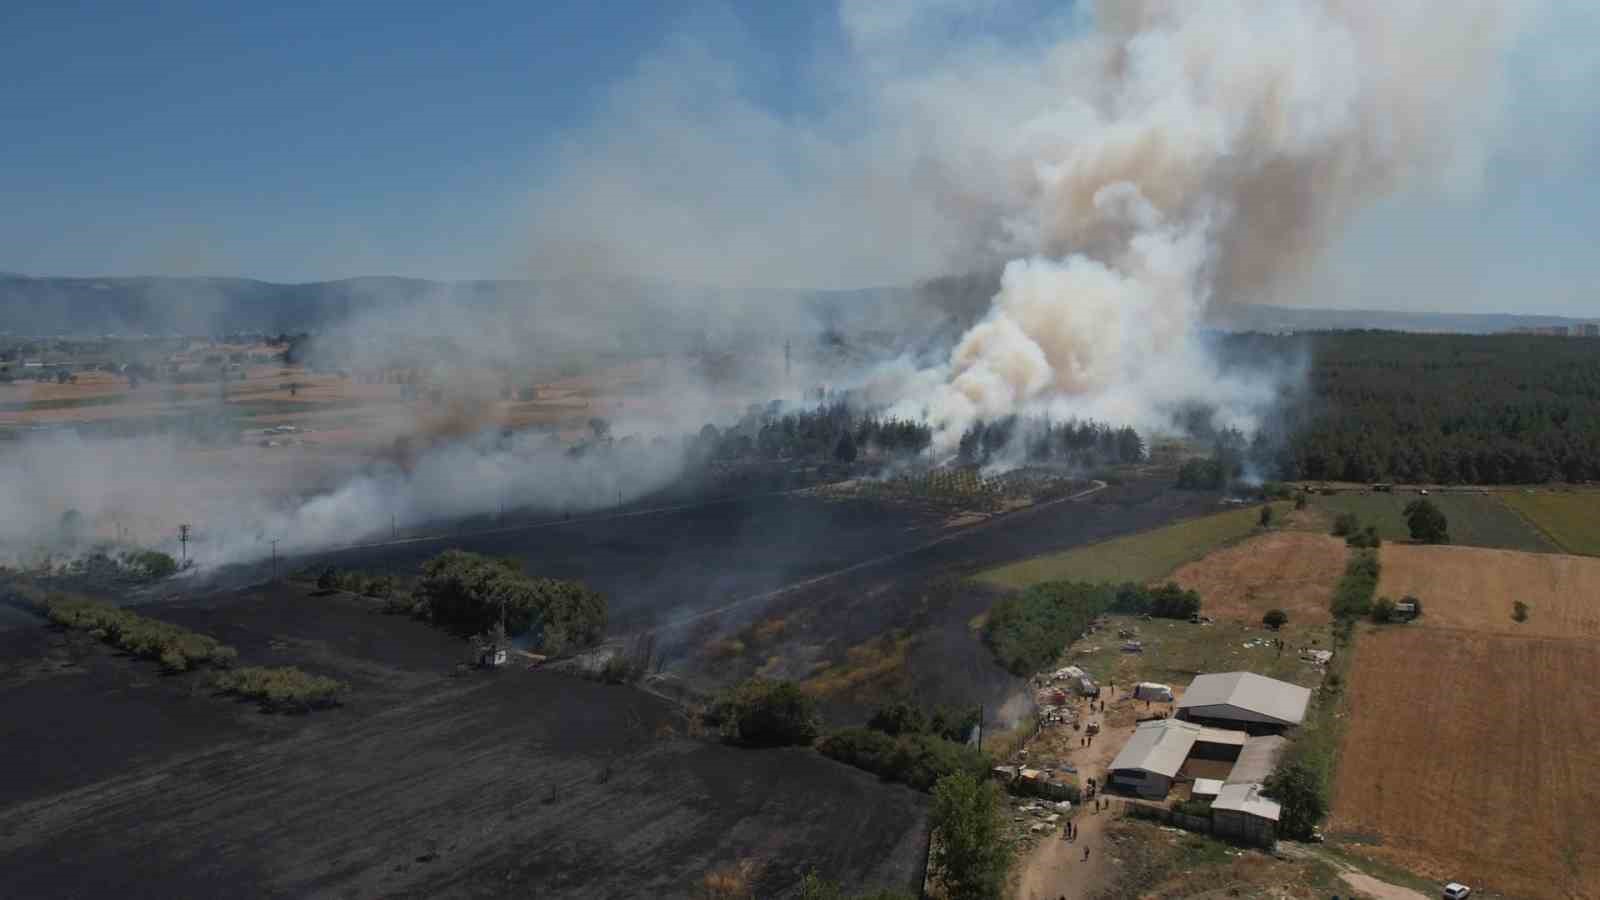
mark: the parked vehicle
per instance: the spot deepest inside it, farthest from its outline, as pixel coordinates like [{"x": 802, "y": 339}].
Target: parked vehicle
[{"x": 1455, "y": 890}]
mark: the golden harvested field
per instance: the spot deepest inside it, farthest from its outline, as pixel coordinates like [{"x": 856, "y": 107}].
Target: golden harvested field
[
  {"x": 1474, "y": 588},
  {"x": 1475, "y": 757},
  {"x": 1294, "y": 571},
  {"x": 1570, "y": 519}
]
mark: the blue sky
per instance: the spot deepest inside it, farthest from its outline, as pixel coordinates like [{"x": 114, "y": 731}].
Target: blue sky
[
  {"x": 269, "y": 139},
  {"x": 297, "y": 141}
]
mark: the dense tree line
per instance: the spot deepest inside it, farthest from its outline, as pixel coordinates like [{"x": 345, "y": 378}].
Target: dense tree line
[
  {"x": 831, "y": 431},
  {"x": 1449, "y": 409},
  {"x": 1040, "y": 440}
]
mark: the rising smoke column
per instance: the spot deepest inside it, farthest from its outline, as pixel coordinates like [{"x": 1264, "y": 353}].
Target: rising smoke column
[{"x": 1183, "y": 153}]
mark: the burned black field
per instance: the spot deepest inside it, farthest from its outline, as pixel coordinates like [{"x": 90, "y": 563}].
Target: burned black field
[
  {"x": 434, "y": 781},
  {"x": 124, "y": 782}
]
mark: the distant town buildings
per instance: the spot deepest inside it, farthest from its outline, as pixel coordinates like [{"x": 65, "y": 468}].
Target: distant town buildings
[{"x": 1583, "y": 329}]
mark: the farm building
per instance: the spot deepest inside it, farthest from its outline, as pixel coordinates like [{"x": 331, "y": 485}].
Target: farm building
[
  {"x": 1206, "y": 787},
  {"x": 1241, "y": 813},
  {"x": 1257, "y": 759},
  {"x": 1219, "y": 744},
  {"x": 1244, "y": 700},
  {"x": 1152, "y": 757}
]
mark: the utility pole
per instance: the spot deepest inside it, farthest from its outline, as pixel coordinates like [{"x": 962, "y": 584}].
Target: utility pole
[
  {"x": 274, "y": 559},
  {"x": 787, "y": 380},
  {"x": 183, "y": 541},
  {"x": 394, "y": 527}
]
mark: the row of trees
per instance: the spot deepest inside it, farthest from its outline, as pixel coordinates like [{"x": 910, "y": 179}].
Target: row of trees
[
  {"x": 1027, "y": 630},
  {"x": 1039, "y": 440},
  {"x": 830, "y": 431}
]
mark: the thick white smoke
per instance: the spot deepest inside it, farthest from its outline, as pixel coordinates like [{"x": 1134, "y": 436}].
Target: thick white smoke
[{"x": 1181, "y": 154}]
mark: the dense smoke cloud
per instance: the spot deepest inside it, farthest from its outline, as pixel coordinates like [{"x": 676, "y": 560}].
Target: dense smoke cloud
[{"x": 1125, "y": 164}]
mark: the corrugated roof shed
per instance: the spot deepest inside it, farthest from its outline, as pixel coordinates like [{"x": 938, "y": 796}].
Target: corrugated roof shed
[
  {"x": 1247, "y": 799},
  {"x": 1160, "y": 746},
  {"x": 1258, "y": 759},
  {"x": 1206, "y": 787},
  {"x": 1268, "y": 697}
]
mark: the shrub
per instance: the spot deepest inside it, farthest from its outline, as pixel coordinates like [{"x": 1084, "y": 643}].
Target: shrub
[
  {"x": 918, "y": 760},
  {"x": 1366, "y": 539},
  {"x": 1028, "y": 630},
  {"x": 177, "y": 649},
  {"x": 152, "y": 564},
  {"x": 1519, "y": 611},
  {"x": 469, "y": 593},
  {"x": 972, "y": 855},
  {"x": 1346, "y": 524},
  {"x": 900, "y": 717},
  {"x": 1168, "y": 601},
  {"x": 1193, "y": 807},
  {"x": 1300, "y": 790},
  {"x": 763, "y": 713},
  {"x": 1300, "y": 500},
  {"x": 281, "y": 689},
  {"x": 1266, "y": 516},
  {"x": 1383, "y": 611},
  {"x": 1275, "y": 619},
  {"x": 1352, "y": 597}
]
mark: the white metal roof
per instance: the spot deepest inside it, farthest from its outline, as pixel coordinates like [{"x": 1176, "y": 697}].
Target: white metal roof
[
  {"x": 1223, "y": 736},
  {"x": 1258, "y": 759},
  {"x": 1269, "y": 698},
  {"x": 1247, "y": 799},
  {"x": 1159, "y": 746},
  {"x": 1206, "y": 787}
]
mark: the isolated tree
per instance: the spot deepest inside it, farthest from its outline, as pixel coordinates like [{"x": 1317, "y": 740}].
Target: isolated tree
[
  {"x": 1299, "y": 790},
  {"x": 1519, "y": 611},
  {"x": 845, "y": 450},
  {"x": 1427, "y": 522},
  {"x": 1266, "y": 516},
  {"x": 1300, "y": 500},
  {"x": 973, "y": 854},
  {"x": 1275, "y": 619},
  {"x": 1383, "y": 611}
]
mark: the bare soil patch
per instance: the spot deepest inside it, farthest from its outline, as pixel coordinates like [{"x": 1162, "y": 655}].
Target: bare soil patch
[
  {"x": 1473, "y": 588},
  {"x": 1472, "y": 757},
  {"x": 1293, "y": 571}
]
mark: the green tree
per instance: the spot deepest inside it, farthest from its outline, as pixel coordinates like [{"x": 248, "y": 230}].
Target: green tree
[
  {"x": 1266, "y": 516},
  {"x": 1519, "y": 611},
  {"x": 972, "y": 854},
  {"x": 1300, "y": 501},
  {"x": 1275, "y": 619},
  {"x": 1300, "y": 791},
  {"x": 1346, "y": 524},
  {"x": 764, "y": 713},
  {"x": 899, "y": 717},
  {"x": 1383, "y": 611},
  {"x": 1427, "y": 522},
  {"x": 845, "y": 450}
]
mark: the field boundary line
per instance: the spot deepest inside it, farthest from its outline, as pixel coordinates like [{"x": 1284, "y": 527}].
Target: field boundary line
[
  {"x": 855, "y": 567},
  {"x": 1531, "y": 523}
]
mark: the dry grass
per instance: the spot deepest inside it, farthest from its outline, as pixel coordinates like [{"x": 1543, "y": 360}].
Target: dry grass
[
  {"x": 735, "y": 881},
  {"x": 866, "y": 665},
  {"x": 1466, "y": 587},
  {"x": 1137, "y": 557},
  {"x": 1473, "y": 757},
  {"x": 1571, "y": 520},
  {"x": 1294, "y": 571}
]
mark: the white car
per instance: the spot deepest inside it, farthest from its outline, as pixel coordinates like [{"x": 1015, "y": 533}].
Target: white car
[{"x": 1455, "y": 890}]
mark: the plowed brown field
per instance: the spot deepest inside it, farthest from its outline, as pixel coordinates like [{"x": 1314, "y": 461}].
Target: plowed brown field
[
  {"x": 1470, "y": 587},
  {"x": 1289, "y": 570},
  {"x": 1474, "y": 757}
]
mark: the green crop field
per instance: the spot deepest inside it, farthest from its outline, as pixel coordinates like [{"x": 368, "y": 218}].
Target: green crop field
[
  {"x": 1137, "y": 557},
  {"x": 1570, "y": 520},
  {"x": 1476, "y": 520}
]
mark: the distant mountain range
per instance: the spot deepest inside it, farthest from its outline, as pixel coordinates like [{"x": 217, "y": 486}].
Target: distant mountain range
[{"x": 199, "y": 306}]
